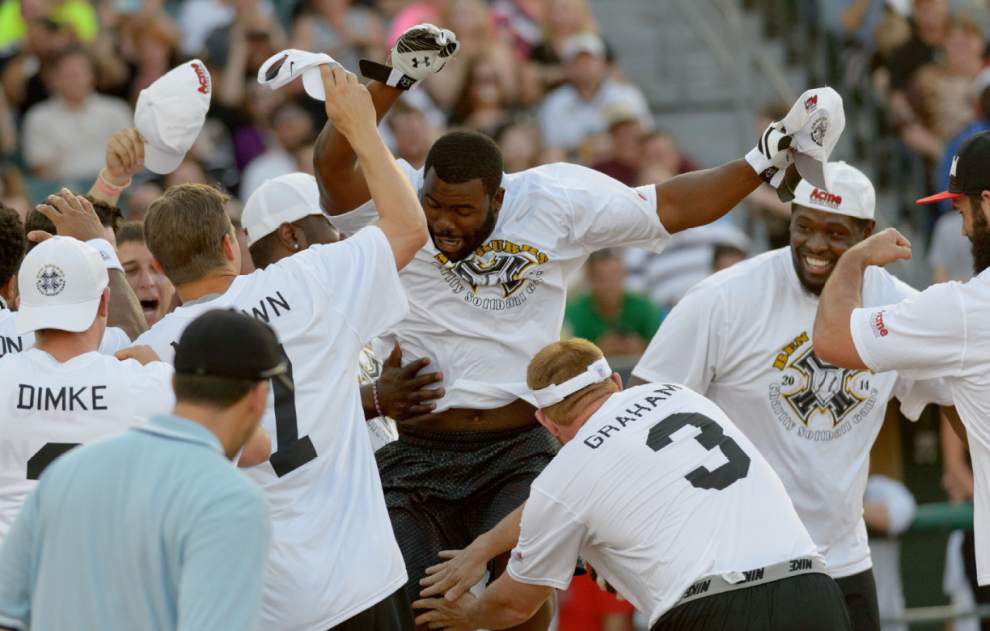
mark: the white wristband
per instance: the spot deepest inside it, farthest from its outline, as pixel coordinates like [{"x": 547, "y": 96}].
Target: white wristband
[
  {"x": 761, "y": 164},
  {"x": 107, "y": 253}
]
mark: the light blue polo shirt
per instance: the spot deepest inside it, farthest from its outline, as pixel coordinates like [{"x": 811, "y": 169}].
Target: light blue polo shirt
[{"x": 151, "y": 529}]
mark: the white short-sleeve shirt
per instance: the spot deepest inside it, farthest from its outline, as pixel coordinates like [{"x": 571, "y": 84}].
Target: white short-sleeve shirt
[
  {"x": 48, "y": 407},
  {"x": 481, "y": 319},
  {"x": 743, "y": 337},
  {"x": 639, "y": 496},
  {"x": 114, "y": 338},
  {"x": 333, "y": 551},
  {"x": 941, "y": 333}
]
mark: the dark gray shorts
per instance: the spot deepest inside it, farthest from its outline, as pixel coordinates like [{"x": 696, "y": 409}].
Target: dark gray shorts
[{"x": 444, "y": 489}]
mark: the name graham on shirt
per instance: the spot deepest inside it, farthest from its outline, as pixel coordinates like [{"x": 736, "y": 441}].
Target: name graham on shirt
[{"x": 648, "y": 403}]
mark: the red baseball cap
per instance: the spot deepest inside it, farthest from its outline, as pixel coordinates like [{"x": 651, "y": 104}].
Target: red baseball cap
[{"x": 970, "y": 170}]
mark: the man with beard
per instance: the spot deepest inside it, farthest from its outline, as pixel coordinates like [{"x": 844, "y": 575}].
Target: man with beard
[
  {"x": 938, "y": 333},
  {"x": 742, "y": 338},
  {"x": 490, "y": 286}
]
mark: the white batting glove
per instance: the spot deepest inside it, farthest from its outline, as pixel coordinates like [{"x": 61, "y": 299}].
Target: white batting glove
[
  {"x": 773, "y": 159},
  {"x": 422, "y": 50}
]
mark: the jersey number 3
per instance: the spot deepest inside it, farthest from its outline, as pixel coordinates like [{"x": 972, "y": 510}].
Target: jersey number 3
[
  {"x": 711, "y": 436},
  {"x": 293, "y": 451}
]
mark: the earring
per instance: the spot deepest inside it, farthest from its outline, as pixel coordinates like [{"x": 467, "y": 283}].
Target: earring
[{"x": 295, "y": 246}]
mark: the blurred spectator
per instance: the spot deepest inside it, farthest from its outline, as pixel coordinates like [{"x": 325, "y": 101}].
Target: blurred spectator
[
  {"x": 929, "y": 25},
  {"x": 626, "y": 133},
  {"x": 13, "y": 193},
  {"x": 188, "y": 172},
  {"x": 661, "y": 148},
  {"x": 17, "y": 15},
  {"x": 64, "y": 136},
  {"x": 888, "y": 510},
  {"x": 950, "y": 256},
  {"x": 585, "y": 607},
  {"x": 150, "y": 44},
  {"x": 523, "y": 21},
  {"x": 152, "y": 288},
  {"x": 139, "y": 198},
  {"x": 686, "y": 260},
  {"x": 940, "y": 93},
  {"x": 26, "y": 66},
  {"x": 483, "y": 104},
  {"x": 577, "y": 109},
  {"x": 346, "y": 32},
  {"x": 411, "y": 133},
  {"x": 198, "y": 18},
  {"x": 725, "y": 255},
  {"x": 769, "y": 218},
  {"x": 981, "y": 104},
  {"x": 520, "y": 145},
  {"x": 563, "y": 19},
  {"x": 292, "y": 129},
  {"x": 618, "y": 321}
]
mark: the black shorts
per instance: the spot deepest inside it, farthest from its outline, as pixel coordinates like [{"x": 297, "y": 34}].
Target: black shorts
[
  {"x": 445, "y": 489},
  {"x": 810, "y": 602},
  {"x": 391, "y": 614},
  {"x": 860, "y": 594}
]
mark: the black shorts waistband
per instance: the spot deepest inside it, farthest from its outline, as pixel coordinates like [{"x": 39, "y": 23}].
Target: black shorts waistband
[{"x": 458, "y": 441}]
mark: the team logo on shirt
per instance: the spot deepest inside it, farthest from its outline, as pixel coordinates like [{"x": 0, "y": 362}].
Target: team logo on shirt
[
  {"x": 510, "y": 267},
  {"x": 51, "y": 280},
  {"x": 821, "y": 401}
]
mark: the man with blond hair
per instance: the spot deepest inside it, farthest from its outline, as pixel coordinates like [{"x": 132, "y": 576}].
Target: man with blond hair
[{"x": 658, "y": 490}]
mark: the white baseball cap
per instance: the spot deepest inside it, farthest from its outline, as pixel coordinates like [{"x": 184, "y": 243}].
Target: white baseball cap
[
  {"x": 589, "y": 43},
  {"x": 851, "y": 193},
  {"x": 60, "y": 281},
  {"x": 170, "y": 112},
  {"x": 815, "y": 121},
  {"x": 284, "y": 67},
  {"x": 280, "y": 200}
]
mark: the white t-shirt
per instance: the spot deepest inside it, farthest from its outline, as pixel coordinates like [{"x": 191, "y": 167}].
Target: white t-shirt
[
  {"x": 113, "y": 340},
  {"x": 742, "y": 337},
  {"x": 47, "y": 407},
  {"x": 638, "y": 495},
  {"x": 941, "y": 333},
  {"x": 333, "y": 552},
  {"x": 480, "y": 320}
]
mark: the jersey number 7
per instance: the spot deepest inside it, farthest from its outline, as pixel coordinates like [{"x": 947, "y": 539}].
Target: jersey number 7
[{"x": 712, "y": 435}]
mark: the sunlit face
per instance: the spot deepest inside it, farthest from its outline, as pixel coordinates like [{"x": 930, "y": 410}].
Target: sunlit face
[
  {"x": 460, "y": 216},
  {"x": 818, "y": 239},
  {"x": 152, "y": 288}
]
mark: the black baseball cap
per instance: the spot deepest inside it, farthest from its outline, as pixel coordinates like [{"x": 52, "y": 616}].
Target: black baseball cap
[
  {"x": 226, "y": 343},
  {"x": 970, "y": 170}
]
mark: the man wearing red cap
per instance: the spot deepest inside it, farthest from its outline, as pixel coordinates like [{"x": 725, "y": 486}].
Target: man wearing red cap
[{"x": 937, "y": 334}]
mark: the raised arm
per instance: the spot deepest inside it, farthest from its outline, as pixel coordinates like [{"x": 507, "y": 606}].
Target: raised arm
[
  {"x": 700, "y": 197},
  {"x": 349, "y": 107},
  {"x": 844, "y": 292},
  {"x": 341, "y": 180},
  {"x": 124, "y": 158}
]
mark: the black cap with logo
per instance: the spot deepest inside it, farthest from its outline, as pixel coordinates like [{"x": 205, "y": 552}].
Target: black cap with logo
[
  {"x": 970, "y": 170},
  {"x": 229, "y": 344}
]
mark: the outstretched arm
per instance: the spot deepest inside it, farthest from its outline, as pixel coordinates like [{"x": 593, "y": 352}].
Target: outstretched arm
[
  {"x": 350, "y": 109},
  {"x": 700, "y": 197},
  {"x": 341, "y": 181}
]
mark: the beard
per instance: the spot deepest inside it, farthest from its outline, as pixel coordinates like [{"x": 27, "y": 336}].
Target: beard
[
  {"x": 471, "y": 241},
  {"x": 980, "y": 241}
]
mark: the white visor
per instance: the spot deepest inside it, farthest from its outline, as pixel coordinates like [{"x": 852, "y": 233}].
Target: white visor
[{"x": 555, "y": 393}]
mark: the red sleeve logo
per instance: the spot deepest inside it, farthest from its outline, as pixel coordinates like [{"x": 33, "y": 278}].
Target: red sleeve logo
[{"x": 879, "y": 328}]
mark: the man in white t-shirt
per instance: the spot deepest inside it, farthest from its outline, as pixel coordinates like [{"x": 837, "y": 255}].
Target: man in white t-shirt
[
  {"x": 488, "y": 288},
  {"x": 62, "y": 393},
  {"x": 334, "y": 562},
  {"x": 742, "y": 337},
  {"x": 939, "y": 333},
  {"x": 657, "y": 489},
  {"x": 283, "y": 217}
]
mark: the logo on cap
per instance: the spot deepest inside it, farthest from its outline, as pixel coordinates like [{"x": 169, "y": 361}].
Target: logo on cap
[
  {"x": 952, "y": 169},
  {"x": 51, "y": 280},
  {"x": 811, "y": 103},
  {"x": 204, "y": 82},
  {"x": 818, "y": 130},
  {"x": 825, "y": 198}
]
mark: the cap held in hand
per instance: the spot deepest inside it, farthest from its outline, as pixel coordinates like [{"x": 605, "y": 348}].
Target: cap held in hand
[
  {"x": 171, "y": 112},
  {"x": 815, "y": 122},
  {"x": 228, "y": 344},
  {"x": 970, "y": 170},
  {"x": 285, "y": 67},
  {"x": 60, "y": 282}
]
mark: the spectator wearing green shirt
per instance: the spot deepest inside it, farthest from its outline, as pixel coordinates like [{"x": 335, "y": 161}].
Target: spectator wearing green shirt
[
  {"x": 618, "y": 321},
  {"x": 78, "y": 14}
]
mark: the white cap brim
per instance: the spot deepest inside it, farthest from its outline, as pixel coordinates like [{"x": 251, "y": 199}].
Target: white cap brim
[
  {"x": 74, "y": 318},
  {"x": 811, "y": 169},
  {"x": 161, "y": 161},
  {"x": 313, "y": 83}
]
